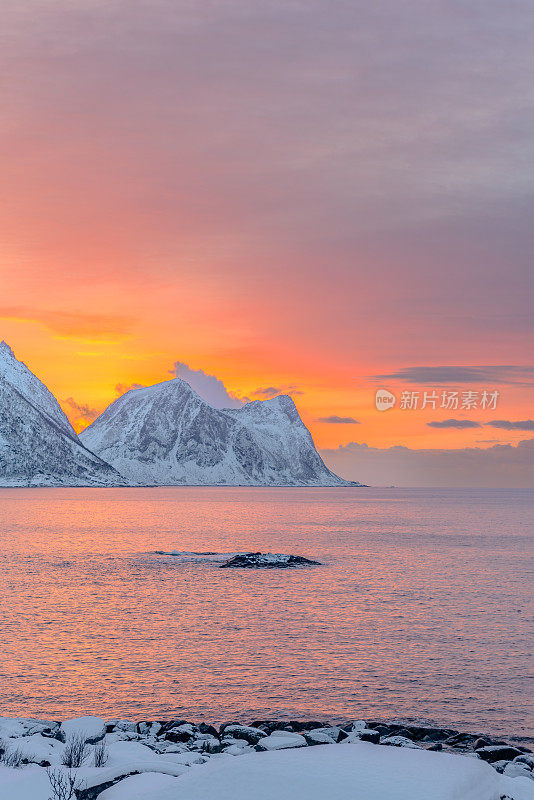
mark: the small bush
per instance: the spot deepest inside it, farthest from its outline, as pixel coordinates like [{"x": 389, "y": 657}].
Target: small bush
[
  {"x": 64, "y": 783},
  {"x": 11, "y": 756},
  {"x": 100, "y": 754},
  {"x": 75, "y": 751}
]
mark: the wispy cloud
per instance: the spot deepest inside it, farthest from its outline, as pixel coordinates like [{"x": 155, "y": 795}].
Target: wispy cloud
[
  {"x": 459, "y": 424},
  {"x": 266, "y": 392},
  {"x": 335, "y": 420},
  {"x": 510, "y": 425},
  {"x": 209, "y": 387},
  {"x": 122, "y": 388},
  {"x": 489, "y": 375},
  {"x": 68, "y": 324},
  {"x": 80, "y": 414}
]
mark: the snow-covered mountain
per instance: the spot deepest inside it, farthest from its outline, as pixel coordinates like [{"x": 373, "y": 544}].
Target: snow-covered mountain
[
  {"x": 167, "y": 435},
  {"x": 38, "y": 446}
]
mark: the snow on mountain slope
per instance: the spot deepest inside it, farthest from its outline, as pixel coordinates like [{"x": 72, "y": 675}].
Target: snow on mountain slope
[
  {"x": 167, "y": 435},
  {"x": 38, "y": 446}
]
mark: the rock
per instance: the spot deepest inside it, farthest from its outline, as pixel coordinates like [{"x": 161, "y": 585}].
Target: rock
[
  {"x": 149, "y": 728},
  {"x": 399, "y": 741},
  {"x": 498, "y": 752},
  {"x": 250, "y": 734},
  {"x": 362, "y": 735},
  {"x": 428, "y": 734},
  {"x": 334, "y": 732},
  {"x": 482, "y": 741},
  {"x": 516, "y": 770},
  {"x": 237, "y": 750},
  {"x": 204, "y": 728},
  {"x": 525, "y": 758},
  {"x": 318, "y": 737},
  {"x": 462, "y": 740},
  {"x": 435, "y": 746},
  {"x": 355, "y": 725},
  {"x": 92, "y": 729},
  {"x": 267, "y": 560},
  {"x": 281, "y": 740},
  {"x": 121, "y": 725},
  {"x": 311, "y": 725},
  {"x": 500, "y": 765}
]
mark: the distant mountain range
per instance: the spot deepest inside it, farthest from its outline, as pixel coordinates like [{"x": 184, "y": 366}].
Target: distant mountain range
[{"x": 162, "y": 435}]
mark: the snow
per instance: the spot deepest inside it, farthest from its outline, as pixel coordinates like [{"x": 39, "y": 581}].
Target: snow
[
  {"x": 141, "y": 787},
  {"x": 39, "y": 748},
  {"x": 361, "y": 771},
  {"x": 91, "y": 728},
  {"x": 280, "y": 740}
]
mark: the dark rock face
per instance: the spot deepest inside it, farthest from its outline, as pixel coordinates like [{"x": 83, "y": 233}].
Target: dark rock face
[
  {"x": 266, "y": 560},
  {"x": 498, "y": 752}
]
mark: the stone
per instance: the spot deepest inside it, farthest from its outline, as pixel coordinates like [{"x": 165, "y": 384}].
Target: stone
[
  {"x": 266, "y": 560},
  {"x": 250, "y": 734},
  {"x": 318, "y": 737},
  {"x": 498, "y": 752},
  {"x": 281, "y": 740},
  {"x": 92, "y": 729},
  {"x": 399, "y": 741}
]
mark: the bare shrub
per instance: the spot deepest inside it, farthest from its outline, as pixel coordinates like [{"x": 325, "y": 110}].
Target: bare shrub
[
  {"x": 100, "y": 754},
  {"x": 65, "y": 784},
  {"x": 75, "y": 751},
  {"x": 11, "y": 756}
]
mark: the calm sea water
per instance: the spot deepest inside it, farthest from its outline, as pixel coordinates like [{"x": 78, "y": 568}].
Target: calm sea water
[{"x": 422, "y": 609}]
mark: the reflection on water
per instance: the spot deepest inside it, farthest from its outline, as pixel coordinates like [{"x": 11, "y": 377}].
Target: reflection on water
[{"x": 420, "y": 609}]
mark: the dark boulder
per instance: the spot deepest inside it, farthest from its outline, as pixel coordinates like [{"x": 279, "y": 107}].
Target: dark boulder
[
  {"x": 498, "y": 752},
  {"x": 266, "y": 561}
]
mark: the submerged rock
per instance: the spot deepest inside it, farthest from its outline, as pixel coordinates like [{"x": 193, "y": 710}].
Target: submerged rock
[{"x": 269, "y": 560}]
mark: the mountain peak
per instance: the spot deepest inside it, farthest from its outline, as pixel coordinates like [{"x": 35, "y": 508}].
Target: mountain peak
[
  {"x": 168, "y": 435},
  {"x": 6, "y": 350},
  {"x": 38, "y": 446}
]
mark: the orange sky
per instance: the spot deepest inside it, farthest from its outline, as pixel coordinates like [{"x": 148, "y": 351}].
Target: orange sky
[{"x": 268, "y": 196}]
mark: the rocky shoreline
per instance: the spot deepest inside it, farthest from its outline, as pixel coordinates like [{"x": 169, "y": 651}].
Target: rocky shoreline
[{"x": 172, "y": 746}]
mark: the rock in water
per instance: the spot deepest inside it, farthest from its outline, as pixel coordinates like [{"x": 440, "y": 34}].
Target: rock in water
[
  {"x": 270, "y": 560},
  {"x": 167, "y": 435},
  {"x": 38, "y": 446}
]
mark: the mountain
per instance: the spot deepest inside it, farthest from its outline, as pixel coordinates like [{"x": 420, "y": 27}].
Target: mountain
[
  {"x": 167, "y": 435},
  {"x": 38, "y": 446}
]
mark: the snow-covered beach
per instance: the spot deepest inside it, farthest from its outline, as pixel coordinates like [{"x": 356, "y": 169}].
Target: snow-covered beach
[{"x": 89, "y": 758}]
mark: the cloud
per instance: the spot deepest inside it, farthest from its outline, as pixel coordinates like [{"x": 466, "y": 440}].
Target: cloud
[
  {"x": 509, "y": 425},
  {"x": 460, "y": 424},
  {"x": 122, "y": 388},
  {"x": 210, "y": 388},
  {"x": 497, "y": 374},
  {"x": 266, "y": 392},
  {"x": 335, "y": 420},
  {"x": 79, "y": 414},
  {"x": 502, "y": 465},
  {"x": 77, "y": 325}
]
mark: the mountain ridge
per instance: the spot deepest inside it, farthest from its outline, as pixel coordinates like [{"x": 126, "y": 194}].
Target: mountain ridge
[
  {"x": 38, "y": 446},
  {"x": 160, "y": 435},
  {"x": 167, "y": 434}
]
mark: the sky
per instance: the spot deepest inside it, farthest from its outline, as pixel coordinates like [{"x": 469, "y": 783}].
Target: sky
[{"x": 314, "y": 197}]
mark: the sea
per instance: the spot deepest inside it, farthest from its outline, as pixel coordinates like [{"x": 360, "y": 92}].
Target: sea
[{"x": 113, "y": 602}]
